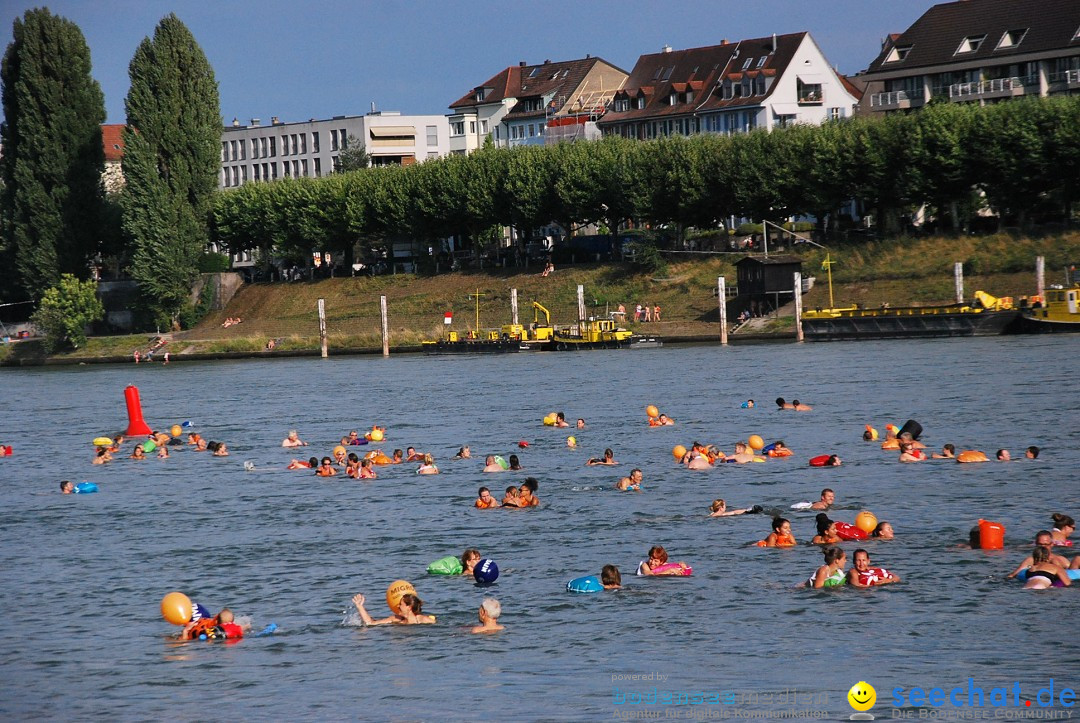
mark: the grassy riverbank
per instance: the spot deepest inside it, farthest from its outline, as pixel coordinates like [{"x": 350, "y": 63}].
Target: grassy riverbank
[{"x": 900, "y": 272}]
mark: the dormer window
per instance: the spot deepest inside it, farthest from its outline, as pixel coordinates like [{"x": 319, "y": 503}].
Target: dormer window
[
  {"x": 481, "y": 93},
  {"x": 727, "y": 91},
  {"x": 689, "y": 96},
  {"x": 897, "y": 53},
  {"x": 641, "y": 102},
  {"x": 970, "y": 44},
  {"x": 1011, "y": 38},
  {"x": 761, "y": 61},
  {"x": 622, "y": 105},
  {"x": 673, "y": 98}
]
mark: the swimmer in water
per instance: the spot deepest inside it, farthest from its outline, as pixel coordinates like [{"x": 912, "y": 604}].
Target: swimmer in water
[
  {"x": 484, "y": 500},
  {"x": 201, "y": 446},
  {"x": 1064, "y": 526},
  {"x": 664, "y": 421},
  {"x": 718, "y": 508},
  {"x": 828, "y": 497},
  {"x": 118, "y": 440},
  {"x": 657, "y": 557},
  {"x": 1043, "y": 573},
  {"x": 512, "y": 498},
  {"x": 608, "y": 458},
  {"x": 352, "y": 437},
  {"x": 527, "y": 495},
  {"x": 469, "y": 558},
  {"x": 826, "y": 531},
  {"x": 293, "y": 440},
  {"x": 411, "y": 455},
  {"x": 515, "y": 463},
  {"x": 490, "y": 465},
  {"x": 742, "y": 455},
  {"x": 780, "y": 536},
  {"x": 862, "y": 575},
  {"x": 580, "y": 423},
  {"x": 367, "y": 470},
  {"x": 138, "y": 453},
  {"x": 409, "y": 612},
  {"x": 831, "y": 574},
  {"x": 947, "y": 452},
  {"x": 560, "y": 420},
  {"x": 326, "y": 468},
  {"x": 489, "y": 612},
  {"x": 101, "y": 456},
  {"x": 883, "y": 531},
  {"x": 428, "y": 466},
  {"x": 748, "y": 404},
  {"x": 340, "y": 457},
  {"x": 1003, "y": 455},
  {"x": 163, "y": 452},
  {"x": 67, "y": 487},
  {"x": 631, "y": 482},
  {"x": 1043, "y": 538},
  {"x": 908, "y": 453},
  {"x": 611, "y": 578},
  {"x": 1031, "y": 452},
  {"x": 312, "y": 463},
  {"x": 221, "y": 450},
  {"x": 398, "y": 457},
  {"x": 799, "y": 406},
  {"x": 463, "y": 453},
  {"x": 782, "y": 404},
  {"x": 193, "y": 439}
]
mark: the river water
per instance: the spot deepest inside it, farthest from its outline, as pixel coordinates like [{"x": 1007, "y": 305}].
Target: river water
[{"x": 84, "y": 574}]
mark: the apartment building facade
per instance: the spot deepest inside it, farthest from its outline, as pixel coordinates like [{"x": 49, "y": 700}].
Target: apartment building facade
[
  {"x": 730, "y": 88},
  {"x": 311, "y": 149},
  {"x": 535, "y": 104},
  {"x": 981, "y": 51}
]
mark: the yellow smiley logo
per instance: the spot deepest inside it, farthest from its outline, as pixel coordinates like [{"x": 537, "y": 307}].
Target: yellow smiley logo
[{"x": 862, "y": 696}]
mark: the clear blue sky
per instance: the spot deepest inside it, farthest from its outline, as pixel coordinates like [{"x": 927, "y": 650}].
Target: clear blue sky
[{"x": 317, "y": 59}]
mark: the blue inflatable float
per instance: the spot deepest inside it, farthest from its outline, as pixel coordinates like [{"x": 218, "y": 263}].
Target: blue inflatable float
[
  {"x": 585, "y": 584},
  {"x": 85, "y": 488},
  {"x": 1074, "y": 575}
]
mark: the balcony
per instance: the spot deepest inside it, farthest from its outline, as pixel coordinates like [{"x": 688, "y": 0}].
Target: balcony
[
  {"x": 988, "y": 89},
  {"x": 895, "y": 100},
  {"x": 1068, "y": 78}
]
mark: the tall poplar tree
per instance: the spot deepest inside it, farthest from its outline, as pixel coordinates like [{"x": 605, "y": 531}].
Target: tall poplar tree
[
  {"x": 51, "y": 197},
  {"x": 171, "y": 159}
]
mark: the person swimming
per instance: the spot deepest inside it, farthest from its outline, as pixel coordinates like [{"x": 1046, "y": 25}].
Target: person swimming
[
  {"x": 718, "y": 508},
  {"x": 1043, "y": 574},
  {"x": 826, "y": 531},
  {"x": 488, "y": 614},
  {"x": 490, "y": 465},
  {"x": 883, "y": 531},
  {"x": 630, "y": 482},
  {"x": 608, "y": 458},
  {"x": 409, "y": 612},
  {"x": 484, "y": 500},
  {"x": 657, "y": 564},
  {"x": 863, "y": 575},
  {"x": 1064, "y": 526},
  {"x": 947, "y": 452},
  {"x": 527, "y": 496},
  {"x": 781, "y": 534},
  {"x": 512, "y": 498},
  {"x": 831, "y": 574}
]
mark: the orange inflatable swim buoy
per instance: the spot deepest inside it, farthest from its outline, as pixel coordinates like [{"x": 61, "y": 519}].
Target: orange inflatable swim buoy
[
  {"x": 783, "y": 452},
  {"x": 971, "y": 455},
  {"x": 891, "y": 444}
]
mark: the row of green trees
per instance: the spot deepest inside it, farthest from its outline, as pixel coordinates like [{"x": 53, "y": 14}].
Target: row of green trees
[
  {"x": 1019, "y": 158},
  {"x": 54, "y": 213}
]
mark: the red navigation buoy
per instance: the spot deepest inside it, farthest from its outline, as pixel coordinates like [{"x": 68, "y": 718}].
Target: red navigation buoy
[{"x": 136, "y": 425}]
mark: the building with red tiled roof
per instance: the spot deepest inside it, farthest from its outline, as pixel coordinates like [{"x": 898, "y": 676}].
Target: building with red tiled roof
[
  {"x": 520, "y": 104},
  {"x": 730, "y": 88},
  {"x": 977, "y": 51},
  {"x": 113, "y": 140}
]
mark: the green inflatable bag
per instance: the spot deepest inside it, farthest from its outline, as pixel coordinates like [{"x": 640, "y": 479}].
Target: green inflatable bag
[{"x": 445, "y": 566}]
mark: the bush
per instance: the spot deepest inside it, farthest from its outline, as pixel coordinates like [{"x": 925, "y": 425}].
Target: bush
[
  {"x": 646, "y": 256},
  {"x": 745, "y": 229},
  {"x": 65, "y": 310},
  {"x": 213, "y": 263}
]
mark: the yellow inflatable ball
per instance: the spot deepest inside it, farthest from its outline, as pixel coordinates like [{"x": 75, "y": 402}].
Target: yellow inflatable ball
[
  {"x": 395, "y": 591},
  {"x": 866, "y": 521},
  {"x": 376, "y": 434},
  {"x": 756, "y": 442},
  {"x": 678, "y": 452},
  {"x": 176, "y": 608},
  {"x": 652, "y": 411},
  {"x": 339, "y": 450},
  {"x": 549, "y": 420},
  {"x": 176, "y": 430}
]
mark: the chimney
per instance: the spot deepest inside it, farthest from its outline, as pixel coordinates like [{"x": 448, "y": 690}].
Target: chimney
[
  {"x": 256, "y": 122},
  {"x": 274, "y": 121},
  {"x": 665, "y": 49},
  {"x": 774, "y": 42},
  {"x": 235, "y": 123},
  {"x": 373, "y": 107},
  {"x": 547, "y": 61},
  {"x": 521, "y": 63},
  {"x": 588, "y": 55},
  {"x": 723, "y": 41}
]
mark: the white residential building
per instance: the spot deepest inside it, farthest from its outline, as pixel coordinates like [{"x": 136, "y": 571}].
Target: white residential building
[{"x": 311, "y": 149}]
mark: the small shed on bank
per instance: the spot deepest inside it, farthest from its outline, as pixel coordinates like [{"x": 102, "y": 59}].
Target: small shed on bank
[{"x": 766, "y": 283}]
